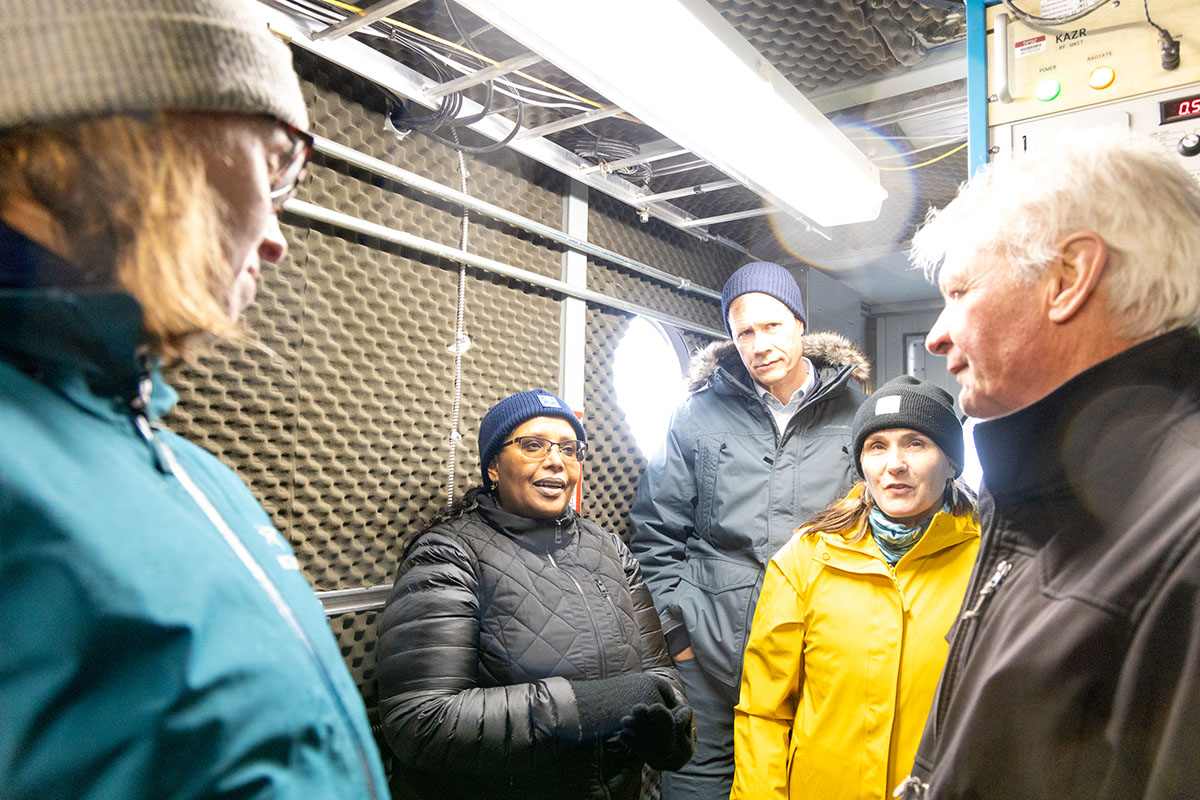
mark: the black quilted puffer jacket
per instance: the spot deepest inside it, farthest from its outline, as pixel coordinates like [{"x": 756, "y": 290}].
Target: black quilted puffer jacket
[{"x": 491, "y": 616}]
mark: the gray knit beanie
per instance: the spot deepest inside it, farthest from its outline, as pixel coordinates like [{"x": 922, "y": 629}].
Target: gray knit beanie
[
  {"x": 767, "y": 278},
  {"x": 907, "y": 402},
  {"x": 63, "y": 60}
]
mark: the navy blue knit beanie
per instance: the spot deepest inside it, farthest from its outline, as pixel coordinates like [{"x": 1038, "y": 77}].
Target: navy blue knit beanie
[
  {"x": 503, "y": 418},
  {"x": 906, "y": 402},
  {"x": 765, "y": 277}
]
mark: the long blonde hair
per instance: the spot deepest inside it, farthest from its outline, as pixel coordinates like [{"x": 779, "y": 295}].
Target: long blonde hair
[
  {"x": 848, "y": 515},
  {"x": 135, "y": 212}
]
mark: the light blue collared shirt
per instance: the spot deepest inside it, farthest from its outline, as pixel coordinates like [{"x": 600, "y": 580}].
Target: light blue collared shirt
[{"x": 783, "y": 413}]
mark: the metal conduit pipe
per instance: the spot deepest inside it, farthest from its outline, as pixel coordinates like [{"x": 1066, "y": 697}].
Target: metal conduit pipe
[
  {"x": 350, "y": 601},
  {"x": 392, "y": 172},
  {"x": 351, "y": 223}
]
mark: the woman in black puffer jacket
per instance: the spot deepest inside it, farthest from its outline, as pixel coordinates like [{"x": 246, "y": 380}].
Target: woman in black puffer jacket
[{"x": 520, "y": 655}]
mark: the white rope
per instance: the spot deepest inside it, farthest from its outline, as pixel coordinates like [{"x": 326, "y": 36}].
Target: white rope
[{"x": 460, "y": 337}]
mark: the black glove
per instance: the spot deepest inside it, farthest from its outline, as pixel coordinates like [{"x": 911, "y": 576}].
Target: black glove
[
  {"x": 604, "y": 703},
  {"x": 663, "y": 737}
]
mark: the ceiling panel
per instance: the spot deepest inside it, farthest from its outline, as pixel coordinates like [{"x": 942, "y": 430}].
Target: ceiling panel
[{"x": 820, "y": 46}]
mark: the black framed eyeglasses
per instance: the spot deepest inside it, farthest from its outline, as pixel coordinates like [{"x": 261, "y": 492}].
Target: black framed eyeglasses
[
  {"x": 536, "y": 448},
  {"x": 286, "y": 179}
]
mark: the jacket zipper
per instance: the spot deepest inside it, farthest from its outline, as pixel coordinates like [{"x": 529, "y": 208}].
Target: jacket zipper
[
  {"x": 613, "y": 607},
  {"x": 599, "y": 641},
  {"x": 964, "y": 635},
  {"x": 586, "y": 607},
  {"x": 1002, "y": 570},
  {"x": 611, "y": 604},
  {"x": 139, "y": 403},
  {"x": 165, "y": 461},
  {"x": 912, "y": 787}
]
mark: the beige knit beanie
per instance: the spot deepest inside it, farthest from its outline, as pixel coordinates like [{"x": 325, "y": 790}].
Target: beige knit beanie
[{"x": 63, "y": 60}]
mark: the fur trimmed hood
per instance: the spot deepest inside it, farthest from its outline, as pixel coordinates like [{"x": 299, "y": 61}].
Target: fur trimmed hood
[{"x": 822, "y": 348}]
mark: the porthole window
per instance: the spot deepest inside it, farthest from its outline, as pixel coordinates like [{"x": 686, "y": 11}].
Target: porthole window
[{"x": 648, "y": 377}]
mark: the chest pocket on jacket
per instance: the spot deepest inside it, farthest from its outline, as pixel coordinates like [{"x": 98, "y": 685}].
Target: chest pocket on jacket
[
  {"x": 734, "y": 490},
  {"x": 826, "y": 470},
  {"x": 707, "y": 460},
  {"x": 615, "y": 607}
]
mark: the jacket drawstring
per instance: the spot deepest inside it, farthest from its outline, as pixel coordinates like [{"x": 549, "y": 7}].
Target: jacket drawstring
[
  {"x": 911, "y": 788},
  {"x": 1002, "y": 570},
  {"x": 139, "y": 404}
]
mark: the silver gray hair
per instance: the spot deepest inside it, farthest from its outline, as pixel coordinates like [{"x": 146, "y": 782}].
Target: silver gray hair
[{"x": 1129, "y": 190}]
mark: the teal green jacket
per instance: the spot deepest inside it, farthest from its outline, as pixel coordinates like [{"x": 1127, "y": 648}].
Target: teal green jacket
[{"x": 157, "y": 639}]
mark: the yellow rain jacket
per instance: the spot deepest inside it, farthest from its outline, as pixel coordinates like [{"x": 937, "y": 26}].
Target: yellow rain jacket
[{"x": 842, "y": 662}]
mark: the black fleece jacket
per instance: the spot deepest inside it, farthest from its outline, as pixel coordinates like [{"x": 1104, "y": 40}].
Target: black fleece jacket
[{"x": 1077, "y": 673}]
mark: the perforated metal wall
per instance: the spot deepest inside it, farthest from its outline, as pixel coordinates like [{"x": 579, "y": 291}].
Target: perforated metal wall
[
  {"x": 616, "y": 226},
  {"x": 355, "y": 632},
  {"x": 614, "y": 464},
  {"x": 822, "y": 43}
]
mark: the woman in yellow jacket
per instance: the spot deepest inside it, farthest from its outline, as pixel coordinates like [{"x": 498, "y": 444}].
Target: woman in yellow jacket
[{"x": 849, "y": 633}]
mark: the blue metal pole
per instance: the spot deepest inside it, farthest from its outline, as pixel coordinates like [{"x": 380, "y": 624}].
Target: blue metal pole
[{"x": 977, "y": 85}]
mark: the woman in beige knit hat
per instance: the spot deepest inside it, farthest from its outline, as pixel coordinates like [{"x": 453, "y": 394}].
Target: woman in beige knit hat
[{"x": 157, "y": 639}]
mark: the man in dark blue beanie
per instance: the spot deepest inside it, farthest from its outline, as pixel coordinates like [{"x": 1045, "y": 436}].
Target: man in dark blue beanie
[
  {"x": 755, "y": 450},
  {"x": 766, "y": 278}
]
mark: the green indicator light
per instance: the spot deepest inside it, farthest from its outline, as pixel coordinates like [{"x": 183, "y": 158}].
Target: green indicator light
[{"x": 1047, "y": 90}]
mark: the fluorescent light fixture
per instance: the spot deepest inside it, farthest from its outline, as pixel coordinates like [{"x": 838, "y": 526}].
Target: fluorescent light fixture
[{"x": 678, "y": 66}]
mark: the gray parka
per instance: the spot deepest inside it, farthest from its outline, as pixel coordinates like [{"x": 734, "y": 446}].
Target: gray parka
[{"x": 727, "y": 490}]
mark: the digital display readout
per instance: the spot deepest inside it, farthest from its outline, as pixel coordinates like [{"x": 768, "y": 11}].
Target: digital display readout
[{"x": 1180, "y": 108}]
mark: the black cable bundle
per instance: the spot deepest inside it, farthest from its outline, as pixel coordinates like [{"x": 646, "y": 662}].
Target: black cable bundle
[
  {"x": 446, "y": 115},
  {"x": 601, "y": 149}
]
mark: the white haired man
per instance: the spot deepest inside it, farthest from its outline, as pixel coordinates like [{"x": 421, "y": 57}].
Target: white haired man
[
  {"x": 157, "y": 639},
  {"x": 1072, "y": 286}
]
